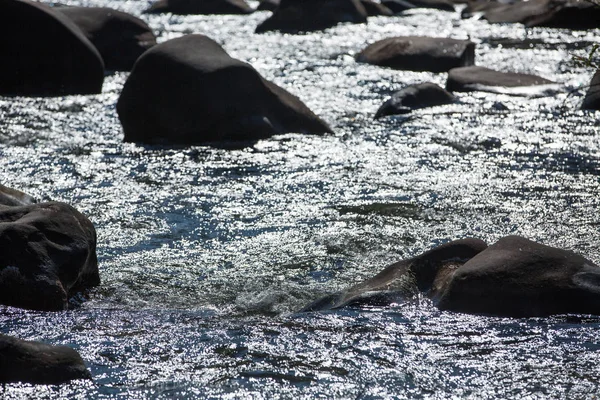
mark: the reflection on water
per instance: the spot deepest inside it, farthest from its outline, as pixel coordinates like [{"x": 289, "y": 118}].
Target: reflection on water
[{"x": 206, "y": 253}]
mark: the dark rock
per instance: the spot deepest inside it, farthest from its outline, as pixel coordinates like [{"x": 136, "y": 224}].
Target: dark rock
[
  {"x": 119, "y": 37},
  {"x": 398, "y": 6},
  {"x": 303, "y": 16},
  {"x": 49, "y": 254},
  {"x": 576, "y": 15},
  {"x": 375, "y": 9},
  {"x": 185, "y": 7},
  {"x": 500, "y": 12},
  {"x": 475, "y": 78},
  {"x": 189, "y": 90},
  {"x": 413, "y": 97},
  {"x": 44, "y": 53},
  {"x": 442, "y": 5},
  {"x": 267, "y": 5},
  {"x": 513, "y": 278},
  {"x": 519, "y": 278},
  {"x": 417, "y": 53},
  {"x": 396, "y": 280},
  {"x": 592, "y": 97},
  {"x": 39, "y": 363},
  {"x": 14, "y": 197}
]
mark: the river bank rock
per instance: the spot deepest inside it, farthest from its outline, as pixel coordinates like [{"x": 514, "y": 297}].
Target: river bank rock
[
  {"x": 119, "y": 37},
  {"x": 199, "y": 7},
  {"x": 419, "y": 53},
  {"x": 592, "y": 97},
  {"x": 413, "y": 97},
  {"x": 474, "y": 78},
  {"x": 44, "y": 53},
  {"x": 178, "y": 96},
  {"x": 39, "y": 363},
  {"x": 49, "y": 254},
  {"x": 515, "y": 277},
  {"x": 294, "y": 16}
]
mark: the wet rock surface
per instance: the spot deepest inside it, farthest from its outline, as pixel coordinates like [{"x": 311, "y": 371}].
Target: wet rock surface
[
  {"x": 414, "y": 97},
  {"x": 187, "y": 7}
]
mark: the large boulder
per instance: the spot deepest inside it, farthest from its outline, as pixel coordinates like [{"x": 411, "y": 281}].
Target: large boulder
[
  {"x": 48, "y": 255},
  {"x": 418, "y": 53},
  {"x": 189, "y": 91},
  {"x": 187, "y": 7},
  {"x": 119, "y": 37},
  {"x": 592, "y": 97},
  {"x": 398, "y": 279},
  {"x": 567, "y": 14},
  {"x": 519, "y": 278},
  {"x": 413, "y": 97},
  {"x": 475, "y": 78},
  {"x": 570, "y": 14},
  {"x": 513, "y": 278},
  {"x": 302, "y": 16},
  {"x": 44, "y": 53},
  {"x": 39, "y": 363}
]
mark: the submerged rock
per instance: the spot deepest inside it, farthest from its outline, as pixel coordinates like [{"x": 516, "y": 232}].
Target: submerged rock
[
  {"x": 304, "y": 16},
  {"x": 39, "y": 363},
  {"x": 592, "y": 97},
  {"x": 414, "y": 97},
  {"x": 189, "y": 90},
  {"x": 49, "y": 254},
  {"x": 515, "y": 277},
  {"x": 418, "y": 53},
  {"x": 44, "y": 53},
  {"x": 483, "y": 79},
  {"x": 185, "y": 7},
  {"x": 119, "y": 37}
]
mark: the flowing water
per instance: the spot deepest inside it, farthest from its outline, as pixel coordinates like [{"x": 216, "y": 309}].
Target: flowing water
[{"x": 206, "y": 254}]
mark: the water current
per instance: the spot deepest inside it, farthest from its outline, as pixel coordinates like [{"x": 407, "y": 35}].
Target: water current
[{"x": 206, "y": 254}]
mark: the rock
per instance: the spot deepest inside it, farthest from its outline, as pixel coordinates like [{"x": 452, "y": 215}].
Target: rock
[
  {"x": 500, "y": 12},
  {"x": 592, "y": 97},
  {"x": 375, "y": 9},
  {"x": 398, "y": 6},
  {"x": 14, "y": 197},
  {"x": 302, "y": 16},
  {"x": 513, "y": 278},
  {"x": 185, "y": 7},
  {"x": 576, "y": 15},
  {"x": 413, "y": 97},
  {"x": 189, "y": 90},
  {"x": 39, "y": 363},
  {"x": 267, "y": 5},
  {"x": 119, "y": 37},
  {"x": 44, "y": 53},
  {"x": 475, "y": 78},
  {"x": 49, "y": 254},
  {"x": 396, "y": 281},
  {"x": 417, "y": 53},
  {"x": 519, "y": 278},
  {"x": 442, "y": 5}
]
